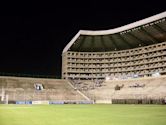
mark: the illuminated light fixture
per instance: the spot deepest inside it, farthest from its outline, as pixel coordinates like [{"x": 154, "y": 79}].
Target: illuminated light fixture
[
  {"x": 156, "y": 74},
  {"x": 107, "y": 78},
  {"x": 135, "y": 76}
]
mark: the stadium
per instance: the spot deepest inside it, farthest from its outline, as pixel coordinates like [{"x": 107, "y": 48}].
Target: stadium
[
  {"x": 129, "y": 59},
  {"x": 125, "y": 65}
]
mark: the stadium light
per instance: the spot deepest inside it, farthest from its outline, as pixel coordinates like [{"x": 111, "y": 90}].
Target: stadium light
[
  {"x": 107, "y": 78},
  {"x": 156, "y": 74}
]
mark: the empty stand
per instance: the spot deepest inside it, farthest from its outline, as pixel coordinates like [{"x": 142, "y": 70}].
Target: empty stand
[
  {"x": 138, "y": 88},
  {"x": 23, "y": 89}
]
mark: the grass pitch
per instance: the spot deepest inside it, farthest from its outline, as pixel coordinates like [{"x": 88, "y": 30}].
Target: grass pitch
[{"x": 82, "y": 115}]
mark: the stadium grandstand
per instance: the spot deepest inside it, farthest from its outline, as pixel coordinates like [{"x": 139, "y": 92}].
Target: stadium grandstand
[
  {"x": 127, "y": 62},
  {"x": 38, "y": 91},
  {"x": 121, "y": 65}
]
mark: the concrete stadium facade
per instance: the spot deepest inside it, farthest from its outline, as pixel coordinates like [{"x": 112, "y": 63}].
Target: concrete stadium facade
[{"x": 133, "y": 50}]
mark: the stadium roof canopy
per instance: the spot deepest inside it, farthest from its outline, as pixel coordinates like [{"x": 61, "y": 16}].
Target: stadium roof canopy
[{"x": 141, "y": 33}]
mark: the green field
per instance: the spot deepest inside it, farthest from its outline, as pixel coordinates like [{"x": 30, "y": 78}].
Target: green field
[{"x": 82, "y": 115}]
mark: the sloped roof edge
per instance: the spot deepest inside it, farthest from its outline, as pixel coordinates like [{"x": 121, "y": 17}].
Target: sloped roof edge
[{"x": 115, "y": 30}]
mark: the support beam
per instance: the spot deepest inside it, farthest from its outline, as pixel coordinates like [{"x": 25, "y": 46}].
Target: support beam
[
  {"x": 81, "y": 43},
  {"x": 158, "y": 28},
  {"x": 135, "y": 37},
  {"x": 114, "y": 42},
  {"x": 103, "y": 43},
  {"x": 123, "y": 39},
  {"x": 92, "y": 41},
  {"x": 149, "y": 35}
]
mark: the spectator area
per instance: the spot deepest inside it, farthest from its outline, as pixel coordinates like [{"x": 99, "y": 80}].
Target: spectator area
[
  {"x": 24, "y": 89},
  {"x": 138, "y": 88}
]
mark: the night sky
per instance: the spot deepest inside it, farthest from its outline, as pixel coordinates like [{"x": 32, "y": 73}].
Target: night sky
[{"x": 32, "y": 36}]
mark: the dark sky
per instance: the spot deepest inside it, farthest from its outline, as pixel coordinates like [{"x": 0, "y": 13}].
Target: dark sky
[{"x": 32, "y": 36}]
